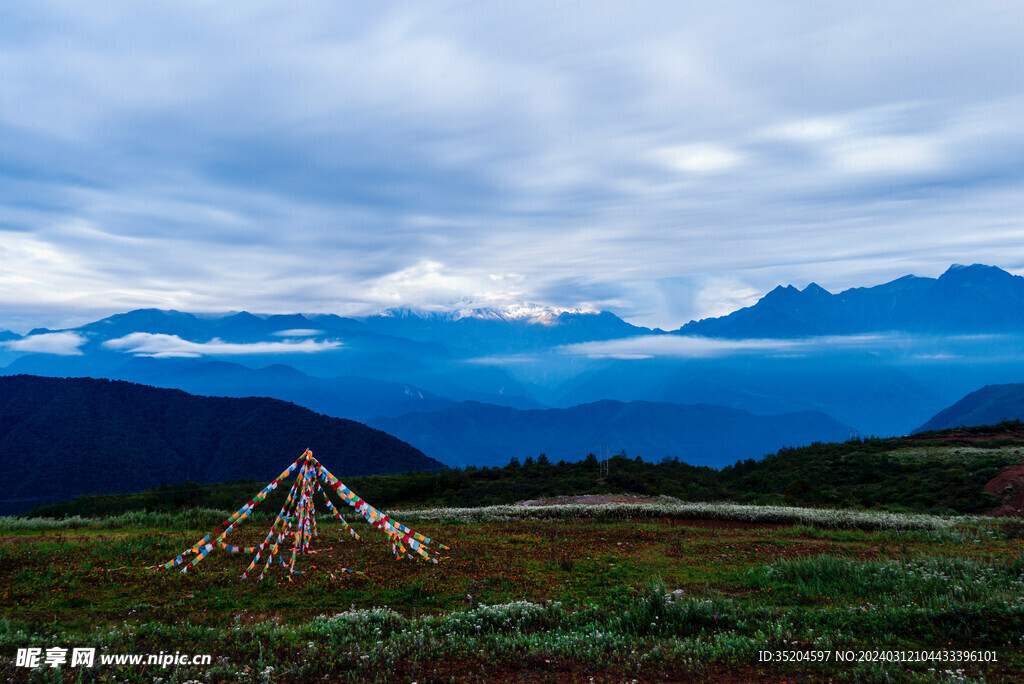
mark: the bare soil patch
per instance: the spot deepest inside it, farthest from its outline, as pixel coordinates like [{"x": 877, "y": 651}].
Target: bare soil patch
[{"x": 1008, "y": 487}]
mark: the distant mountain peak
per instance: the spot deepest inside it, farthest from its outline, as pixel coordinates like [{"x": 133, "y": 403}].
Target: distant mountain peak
[
  {"x": 141, "y": 317},
  {"x": 975, "y": 298},
  {"x": 153, "y": 311},
  {"x": 781, "y": 293},
  {"x": 959, "y": 272},
  {"x": 973, "y": 267},
  {"x": 524, "y": 312},
  {"x": 243, "y": 316}
]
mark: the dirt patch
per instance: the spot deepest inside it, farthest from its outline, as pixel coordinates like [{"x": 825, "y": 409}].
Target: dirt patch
[
  {"x": 597, "y": 499},
  {"x": 1008, "y": 487}
]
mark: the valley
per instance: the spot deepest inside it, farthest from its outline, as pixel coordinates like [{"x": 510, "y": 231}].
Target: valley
[{"x": 879, "y": 361}]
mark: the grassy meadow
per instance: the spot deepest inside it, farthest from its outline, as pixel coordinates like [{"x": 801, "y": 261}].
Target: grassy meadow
[{"x": 660, "y": 592}]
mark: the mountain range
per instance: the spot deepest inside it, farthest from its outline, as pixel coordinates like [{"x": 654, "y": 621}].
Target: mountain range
[
  {"x": 471, "y": 433},
  {"x": 63, "y": 437},
  {"x": 878, "y": 360},
  {"x": 963, "y": 300}
]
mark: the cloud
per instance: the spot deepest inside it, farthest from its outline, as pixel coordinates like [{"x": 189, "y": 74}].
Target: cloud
[
  {"x": 345, "y": 158},
  {"x": 721, "y": 295},
  {"x": 872, "y": 141},
  {"x": 505, "y": 360},
  {"x": 810, "y": 130},
  {"x": 298, "y": 332},
  {"x": 699, "y": 158},
  {"x": 686, "y": 346},
  {"x": 60, "y": 343},
  {"x": 923, "y": 348},
  {"x": 425, "y": 277},
  {"x": 161, "y": 346}
]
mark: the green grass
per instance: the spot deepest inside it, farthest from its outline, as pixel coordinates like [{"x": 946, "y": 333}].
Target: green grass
[
  {"x": 945, "y": 455},
  {"x": 612, "y": 593},
  {"x": 928, "y": 581}
]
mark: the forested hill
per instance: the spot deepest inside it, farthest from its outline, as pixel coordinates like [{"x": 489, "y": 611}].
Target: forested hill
[
  {"x": 64, "y": 437},
  {"x": 936, "y": 472}
]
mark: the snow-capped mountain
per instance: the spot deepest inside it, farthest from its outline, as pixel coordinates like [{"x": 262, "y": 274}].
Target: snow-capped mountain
[
  {"x": 514, "y": 329},
  {"x": 525, "y": 312}
]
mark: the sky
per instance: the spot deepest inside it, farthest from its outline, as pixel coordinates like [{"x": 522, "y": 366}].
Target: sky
[{"x": 665, "y": 161}]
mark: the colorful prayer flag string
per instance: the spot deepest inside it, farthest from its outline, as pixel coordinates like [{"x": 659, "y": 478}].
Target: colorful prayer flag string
[{"x": 299, "y": 511}]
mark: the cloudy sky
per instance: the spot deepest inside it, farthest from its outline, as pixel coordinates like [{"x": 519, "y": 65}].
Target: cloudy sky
[{"x": 665, "y": 161}]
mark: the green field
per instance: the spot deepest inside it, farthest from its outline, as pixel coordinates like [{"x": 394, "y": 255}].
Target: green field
[{"x": 614, "y": 593}]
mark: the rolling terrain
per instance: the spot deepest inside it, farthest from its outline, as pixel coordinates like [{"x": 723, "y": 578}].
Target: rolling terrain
[
  {"x": 962, "y": 471},
  {"x": 61, "y": 438},
  {"x": 881, "y": 360},
  {"x": 486, "y": 435}
]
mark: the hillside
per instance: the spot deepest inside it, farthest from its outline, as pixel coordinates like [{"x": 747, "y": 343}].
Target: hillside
[
  {"x": 700, "y": 434},
  {"x": 989, "y": 405},
  {"x": 354, "y": 398},
  {"x": 937, "y": 472},
  {"x": 871, "y": 397},
  {"x": 63, "y": 437}
]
